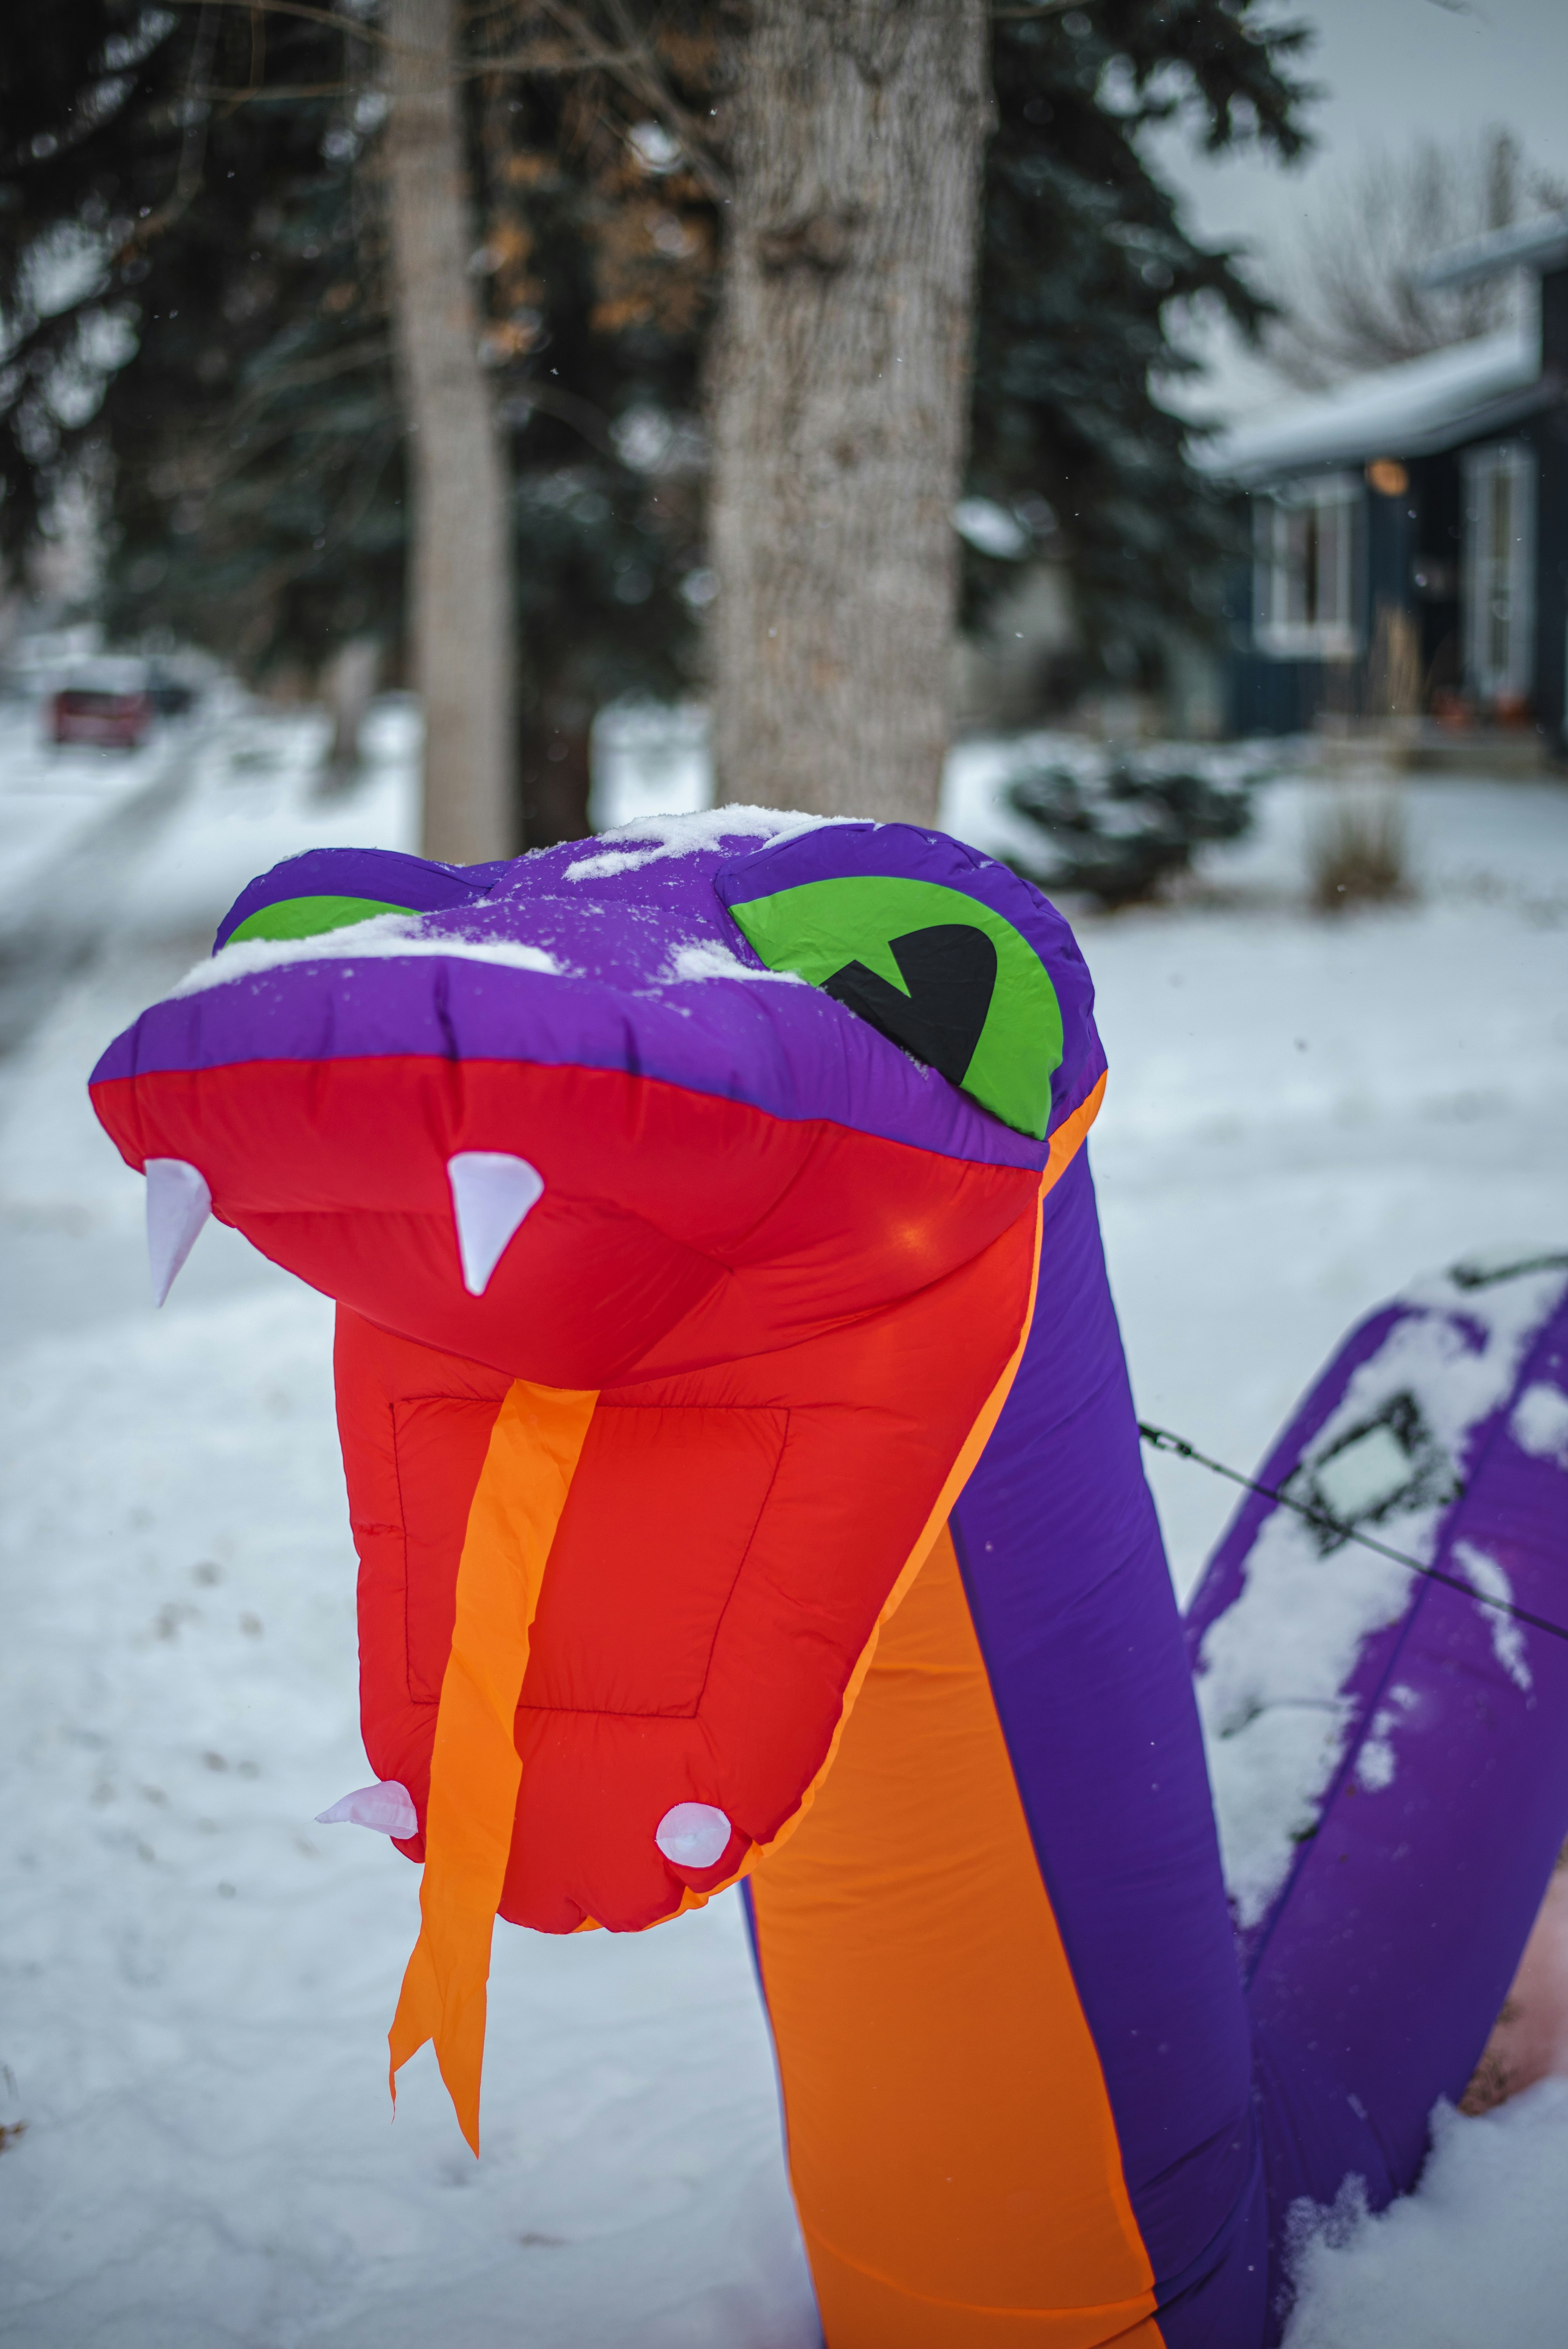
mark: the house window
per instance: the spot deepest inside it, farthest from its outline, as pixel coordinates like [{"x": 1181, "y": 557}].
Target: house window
[
  {"x": 1499, "y": 571},
  {"x": 1305, "y": 539}
]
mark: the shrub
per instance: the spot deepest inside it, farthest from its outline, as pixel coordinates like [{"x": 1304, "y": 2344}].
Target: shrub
[
  {"x": 1115, "y": 829},
  {"x": 1357, "y": 850}
]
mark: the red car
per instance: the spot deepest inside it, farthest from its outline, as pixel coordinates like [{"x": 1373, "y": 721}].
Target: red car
[{"x": 113, "y": 717}]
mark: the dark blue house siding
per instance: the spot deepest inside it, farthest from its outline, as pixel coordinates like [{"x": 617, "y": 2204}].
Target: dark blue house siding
[{"x": 1409, "y": 554}]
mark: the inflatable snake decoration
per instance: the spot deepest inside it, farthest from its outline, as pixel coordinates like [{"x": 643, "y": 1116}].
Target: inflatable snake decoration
[{"x": 745, "y": 1483}]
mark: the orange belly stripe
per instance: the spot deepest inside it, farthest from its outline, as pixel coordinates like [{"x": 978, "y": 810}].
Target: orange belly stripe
[{"x": 946, "y": 2110}]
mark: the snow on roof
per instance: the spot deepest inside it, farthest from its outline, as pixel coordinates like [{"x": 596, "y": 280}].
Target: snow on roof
[
  {"x": 1539, "y": 245},
  {"x": 1399, "y": 412}
]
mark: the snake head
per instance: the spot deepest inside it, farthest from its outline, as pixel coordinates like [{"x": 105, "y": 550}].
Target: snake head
[{"x": 679, "y": 1194}]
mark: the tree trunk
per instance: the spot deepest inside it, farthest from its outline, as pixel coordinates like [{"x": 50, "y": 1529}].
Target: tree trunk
[
  {"x": 555, "y": 770},
  {"x": 460, "y": 582},
  {"x": 349, "y": 680},
  {"x": 841, "y": 398}
]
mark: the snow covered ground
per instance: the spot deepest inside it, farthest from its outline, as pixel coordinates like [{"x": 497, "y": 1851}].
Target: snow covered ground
[
  {"x": 50, "y": 796},
  {"x": 195, "y": 1981}
]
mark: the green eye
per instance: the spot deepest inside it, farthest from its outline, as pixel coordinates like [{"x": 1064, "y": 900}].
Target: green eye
[
  {"x": 940, "y": 974},
  {"x": 307, "y": 917}
]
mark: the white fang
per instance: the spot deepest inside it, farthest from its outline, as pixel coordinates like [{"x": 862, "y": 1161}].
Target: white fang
[
  {"x": 388, "y": 1807},
  {"x": 492, "y": 1194},
  {"x": 177, "y": 1204}
]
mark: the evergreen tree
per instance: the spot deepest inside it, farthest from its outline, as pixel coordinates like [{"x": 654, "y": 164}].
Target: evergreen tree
[
  {"x": 1084, "y": 252},
  {"x": 603, "y": 246},
  {"x": 223, "y": 338},
  {"x": 194, "y": 267}
]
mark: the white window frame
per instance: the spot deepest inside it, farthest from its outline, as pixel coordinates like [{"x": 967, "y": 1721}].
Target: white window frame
[
  {"x": 1304, "y": 537},
  {"x": 1500, "y": 570}
]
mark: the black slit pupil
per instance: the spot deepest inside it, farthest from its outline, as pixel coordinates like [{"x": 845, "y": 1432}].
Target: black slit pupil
[{"x": 950, "y": 971}]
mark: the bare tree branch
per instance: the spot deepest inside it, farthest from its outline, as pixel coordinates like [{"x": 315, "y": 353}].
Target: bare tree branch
[
  {"x": 193, "y": 136},
  {"x": 1348, "y": 286},
  {"x": 549, "y": 400},
  {"x": 542, "y": 60},
  {"x": 308, "y": 371},
  {"x": 632, "y": 63}
]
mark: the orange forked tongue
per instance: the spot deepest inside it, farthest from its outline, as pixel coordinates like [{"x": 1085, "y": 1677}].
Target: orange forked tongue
[{"x": 475, "y": 1769}]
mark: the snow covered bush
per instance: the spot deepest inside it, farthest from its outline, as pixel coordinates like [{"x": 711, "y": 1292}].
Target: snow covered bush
[{"x": 1116, "y": 825}]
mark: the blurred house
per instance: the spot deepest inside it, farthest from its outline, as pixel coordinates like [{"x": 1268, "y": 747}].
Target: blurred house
[{"x": 1409, "y": 534}]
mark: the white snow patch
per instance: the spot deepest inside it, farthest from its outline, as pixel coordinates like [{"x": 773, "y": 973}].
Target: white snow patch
[
  {"x": 1507, "y": 1634},
  {"x": 386, "y": 937},
  {"x": 1275, "y": 1665},
  {"x": 1478, "y": 2254},
  {"x": 653, "y": 838},
  {"x": 1376, "y": 1763},
  {"x": 991, "y": 529},
  {"x": 711, "y": 958},
  {"x": 1540, "y": 1423},
  {"x": 1363, "y": 1475}
]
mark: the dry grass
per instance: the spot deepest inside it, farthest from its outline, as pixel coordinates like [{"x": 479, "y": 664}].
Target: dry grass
[
  {"x": 1357, "y": 851},
  {"x": 1491, "y": 2083}
]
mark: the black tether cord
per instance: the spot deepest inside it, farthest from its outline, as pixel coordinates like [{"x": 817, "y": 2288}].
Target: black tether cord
[{"x": 1161, "y": 1439}]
